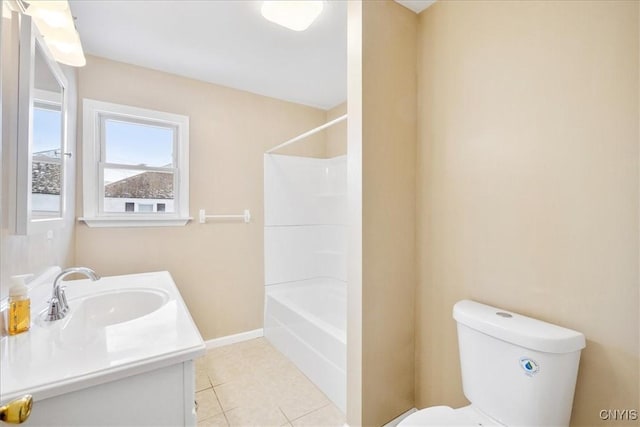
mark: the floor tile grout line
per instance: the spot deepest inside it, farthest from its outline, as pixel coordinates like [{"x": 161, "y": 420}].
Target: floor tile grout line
[
  {"x": 311, "y": 412},
  {"x": 284, "y": 415},
  {"x": 220, "y": 403},
  {"x": 205, "y": 419},
  {"x": 237, "y": 352},
  {"x": 217, "y": 398},
  {"x": 224, "y": 414},
  {"x": 219, "y": 384},
  {"x": 206, "y": 388}
]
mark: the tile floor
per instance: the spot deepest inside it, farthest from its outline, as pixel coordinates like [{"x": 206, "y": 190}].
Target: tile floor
[{"x": 253, "y": 384}]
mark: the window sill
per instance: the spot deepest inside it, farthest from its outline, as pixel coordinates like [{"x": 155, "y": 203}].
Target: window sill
[{"x": 116, "y": 221}]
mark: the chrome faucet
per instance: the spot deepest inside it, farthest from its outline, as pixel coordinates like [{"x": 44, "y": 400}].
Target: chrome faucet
[{"x": 58, "y": 306}]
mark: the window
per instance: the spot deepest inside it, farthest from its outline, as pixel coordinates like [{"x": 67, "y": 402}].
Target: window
[
  {"x": 134, "y": 160},
  {"x": 46, "y": 160},
  {"x": 145, "y": 207}
]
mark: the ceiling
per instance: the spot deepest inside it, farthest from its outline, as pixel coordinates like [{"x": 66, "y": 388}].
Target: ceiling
[
  {"x": 416, "y": 5},
  {"x": 223, "y": 42},
  {"x": 226, "y": 42}
]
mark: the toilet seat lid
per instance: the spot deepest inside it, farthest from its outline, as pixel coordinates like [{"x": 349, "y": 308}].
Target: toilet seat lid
[{"x": 446, "y": 416}]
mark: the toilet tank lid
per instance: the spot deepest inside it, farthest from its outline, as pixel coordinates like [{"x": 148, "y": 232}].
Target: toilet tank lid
[{"x": 517, "y": 329}]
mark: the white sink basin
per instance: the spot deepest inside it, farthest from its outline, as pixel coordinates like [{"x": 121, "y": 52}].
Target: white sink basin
[
  {"x": 91, "y": 315},
  {"x": 110, "y": 308},
  {"x": 98, "y": 310},
  {"x": 116, "y": 327}
]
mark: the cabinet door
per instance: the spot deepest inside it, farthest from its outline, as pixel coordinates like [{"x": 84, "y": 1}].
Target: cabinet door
[{"x": 163, "y": 397}]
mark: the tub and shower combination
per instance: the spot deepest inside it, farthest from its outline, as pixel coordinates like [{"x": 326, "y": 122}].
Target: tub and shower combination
[{"x": 305, "y": 266}]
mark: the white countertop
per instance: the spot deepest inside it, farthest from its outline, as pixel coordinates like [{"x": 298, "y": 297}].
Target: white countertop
[{"x": 58, "y": 357}]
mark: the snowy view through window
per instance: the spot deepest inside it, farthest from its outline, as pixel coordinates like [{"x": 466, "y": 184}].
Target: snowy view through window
[
  {"x": 46, "y": 170},
  {"x": 138, "y": 168}
]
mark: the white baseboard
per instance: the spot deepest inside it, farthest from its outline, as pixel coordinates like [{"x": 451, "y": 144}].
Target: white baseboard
[
  {"x": 394, "y": 422},
  {"x": 232, "y": 339}
]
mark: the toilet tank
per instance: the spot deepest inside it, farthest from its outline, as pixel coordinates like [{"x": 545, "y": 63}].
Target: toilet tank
[{"x": 518, "y": 370}]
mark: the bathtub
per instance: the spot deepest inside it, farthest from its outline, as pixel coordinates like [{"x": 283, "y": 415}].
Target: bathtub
[{"x": 306, "y": 321}]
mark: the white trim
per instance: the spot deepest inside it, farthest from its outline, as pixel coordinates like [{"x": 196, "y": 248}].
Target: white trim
[
  {"x": 93, "y": 112},
  {"x": 232, "y": 339},
  {"x": 394, "y": 422},
  {"x": 47, "y": 97},
  {"x": 130, "y": 221}
]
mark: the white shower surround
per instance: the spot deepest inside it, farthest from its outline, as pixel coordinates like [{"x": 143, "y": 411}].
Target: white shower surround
[{"x": 305, "y": 266}]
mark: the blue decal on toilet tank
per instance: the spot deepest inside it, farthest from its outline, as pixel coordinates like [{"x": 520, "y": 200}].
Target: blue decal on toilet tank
[{"x": 529, "y": 366}]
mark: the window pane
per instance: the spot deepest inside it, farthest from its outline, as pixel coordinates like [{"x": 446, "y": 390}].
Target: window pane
[
  {"x": 138, "y": 144},
  {"x": 130, "y": 190},
  {"x": 47, "y": 131},
  {"x": 46, "y": 164}
]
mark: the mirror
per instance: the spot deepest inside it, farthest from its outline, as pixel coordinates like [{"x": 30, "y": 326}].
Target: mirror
[{"x": 42, "y": 135}]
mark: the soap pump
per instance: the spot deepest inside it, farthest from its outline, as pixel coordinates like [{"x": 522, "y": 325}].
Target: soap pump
[{"x": 19, "y": 317}]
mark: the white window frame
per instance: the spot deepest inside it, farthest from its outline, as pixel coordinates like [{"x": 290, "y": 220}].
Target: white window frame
[
  {"x": 93, "y": 162},
  {"x": 49, "y": 100}
]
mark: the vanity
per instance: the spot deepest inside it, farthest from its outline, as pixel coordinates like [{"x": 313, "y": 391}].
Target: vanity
[{"x": 122, "y": 356}]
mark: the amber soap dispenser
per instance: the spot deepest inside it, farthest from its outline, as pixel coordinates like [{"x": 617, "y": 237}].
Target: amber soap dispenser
[{"x": 19, "y": 316}]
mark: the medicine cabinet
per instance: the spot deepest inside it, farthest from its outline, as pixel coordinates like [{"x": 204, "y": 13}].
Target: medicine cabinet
[{"x": 42, "y": 135}]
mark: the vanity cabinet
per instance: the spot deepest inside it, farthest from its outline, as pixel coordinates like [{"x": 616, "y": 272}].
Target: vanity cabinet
[
  {"x": 122, "y": 356},
  {"x": 162, "y": 397}
]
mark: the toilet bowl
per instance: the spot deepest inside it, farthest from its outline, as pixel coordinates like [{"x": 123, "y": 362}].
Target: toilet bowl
[
  {"x": 516, "y": 371},
  {"x": 447, "y": 416}
]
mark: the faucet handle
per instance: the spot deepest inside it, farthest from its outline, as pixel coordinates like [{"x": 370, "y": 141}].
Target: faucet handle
[
  {"x": 56, "y": 311},
  {"x": 58, "y": 305},
  {"x": 62, "y": 299}
]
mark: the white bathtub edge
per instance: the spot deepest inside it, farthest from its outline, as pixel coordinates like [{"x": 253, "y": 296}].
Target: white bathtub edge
[{"x": 235, "y": 338}]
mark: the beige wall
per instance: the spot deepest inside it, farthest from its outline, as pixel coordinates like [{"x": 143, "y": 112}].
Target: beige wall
[
  {"x": 336, "y": 135},
  {"x": 218, "y": 267},
  {"x": 34, "y": 253},
  {"x": 528, "y": 183},
  {"x": 354, "y": 214},
  {"x": 388, "y": 148}
]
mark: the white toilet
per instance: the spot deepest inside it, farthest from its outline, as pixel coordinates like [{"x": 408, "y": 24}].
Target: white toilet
[{"x": 516, "y": 371}]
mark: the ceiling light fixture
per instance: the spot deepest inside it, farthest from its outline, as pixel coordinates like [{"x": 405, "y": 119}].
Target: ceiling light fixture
[
  {"x": 297, "y": 15},
  {"x": 55, "y": 23}
]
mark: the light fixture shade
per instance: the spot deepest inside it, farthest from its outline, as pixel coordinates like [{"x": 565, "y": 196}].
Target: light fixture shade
[
  {"x": 55, "y": 23},
  {"x": 69, "y": 53},
  {"x": 296, "y": 15}
]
